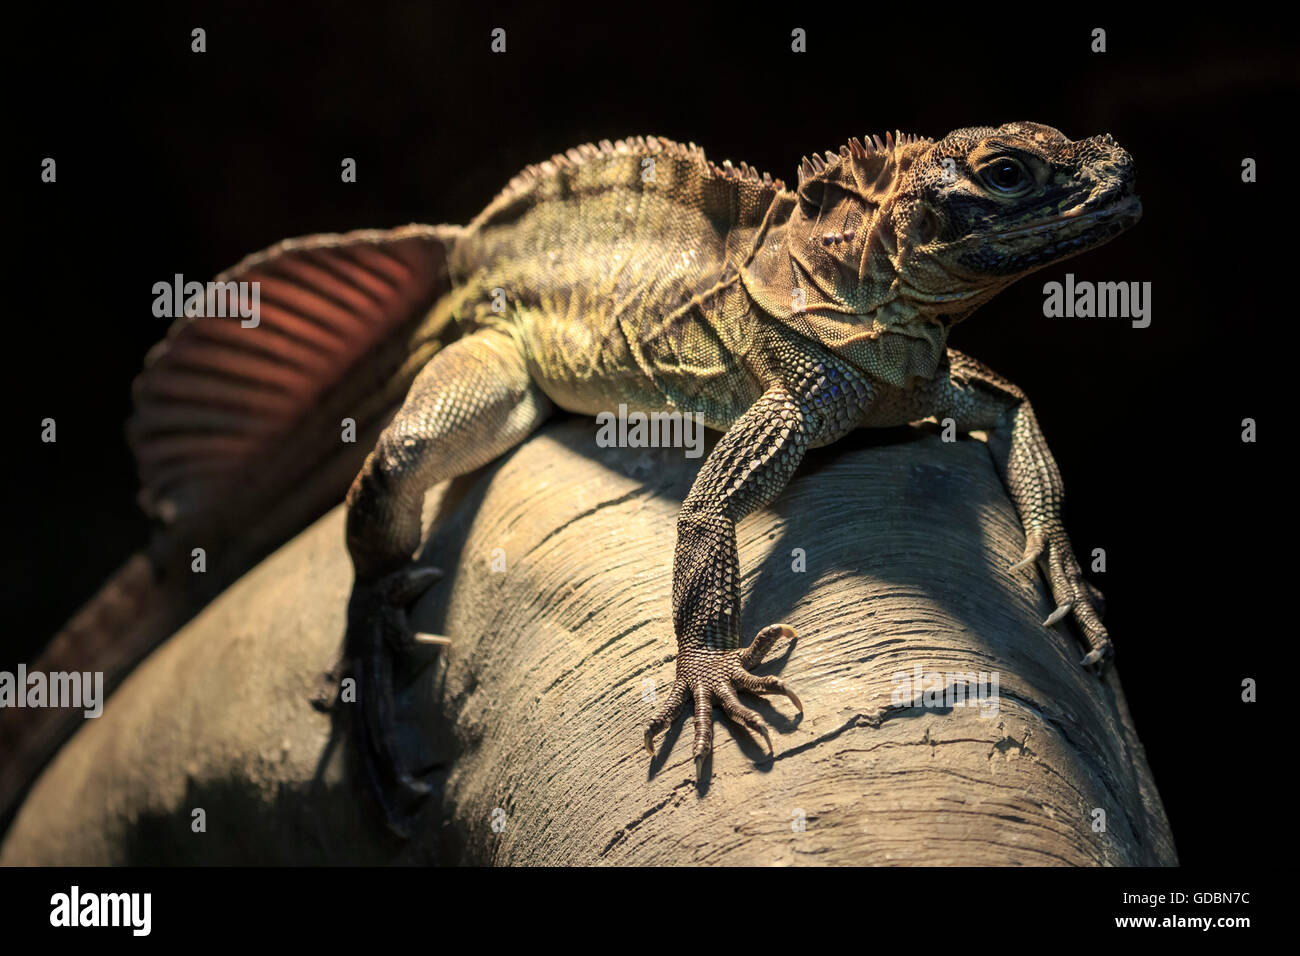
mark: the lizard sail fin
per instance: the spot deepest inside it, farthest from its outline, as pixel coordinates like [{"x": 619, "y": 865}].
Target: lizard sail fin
[
  {"x": 238, "y": 438},
  {"x": 222, "y": 397}
]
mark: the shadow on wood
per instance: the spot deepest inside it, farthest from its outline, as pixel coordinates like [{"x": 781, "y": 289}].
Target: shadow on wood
[{"x": 535, "y": 713}]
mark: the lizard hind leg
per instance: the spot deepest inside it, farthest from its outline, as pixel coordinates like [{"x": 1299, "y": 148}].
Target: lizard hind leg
[{"x": 473, "y": 402}]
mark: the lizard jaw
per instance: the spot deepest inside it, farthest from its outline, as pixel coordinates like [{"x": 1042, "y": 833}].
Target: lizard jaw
[{"x": 1083, "y": 212}]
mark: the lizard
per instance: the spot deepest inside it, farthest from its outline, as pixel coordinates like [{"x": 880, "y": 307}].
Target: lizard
[
  {"x": 786, "y": 318},
  {"x": 641, "y": 273}
]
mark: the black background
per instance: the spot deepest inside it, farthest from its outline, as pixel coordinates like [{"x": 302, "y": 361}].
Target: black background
[{"x": 170, "y": 161}]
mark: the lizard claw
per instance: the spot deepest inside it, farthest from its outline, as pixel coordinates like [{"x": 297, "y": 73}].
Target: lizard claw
[
  {"x": 1059, "y": 614},
  {"x": 1033, "y": 551},
  {"x": 713, "y": 676},
  {"x": 1099, "y": 659},
  {"x": 1075, "y": 597}
]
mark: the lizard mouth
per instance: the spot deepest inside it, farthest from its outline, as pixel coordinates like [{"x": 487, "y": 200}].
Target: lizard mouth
[
  {"x": 1052, "y": 239},
  {"x": 1085, "y": 214}
]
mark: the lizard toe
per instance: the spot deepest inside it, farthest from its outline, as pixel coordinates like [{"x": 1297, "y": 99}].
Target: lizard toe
[
  {"x": 1098, "y": 660},
  {"x": 765, "y": 685},
  {"x": 764, "y": 641},
  {"x": 738, "y": 712},
  {"x": 1034, "y": 546},
  {"x": 404, "y": 586},
  {"x": 1078, "y": 599},
  {"x": 702, "y": 748},
  {"x": 665, "y": 714}
]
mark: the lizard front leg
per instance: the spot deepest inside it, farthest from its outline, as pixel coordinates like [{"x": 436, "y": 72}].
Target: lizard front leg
[
  {"x": 747, "y": 469},
  {"x": 471, "y": 403},
  {"x": 976, "y": 397}
]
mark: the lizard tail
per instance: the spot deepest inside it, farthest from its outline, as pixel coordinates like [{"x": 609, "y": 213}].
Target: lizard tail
[
  {"x": 251, "y": 418},
  {"x": 130, "y": 614}
]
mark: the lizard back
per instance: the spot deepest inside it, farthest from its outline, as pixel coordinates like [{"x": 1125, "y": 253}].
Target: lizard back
[{"x": 616, "y": 268}]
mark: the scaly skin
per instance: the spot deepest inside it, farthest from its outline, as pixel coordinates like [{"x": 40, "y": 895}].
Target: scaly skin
[{"x": 785, "y": 317}]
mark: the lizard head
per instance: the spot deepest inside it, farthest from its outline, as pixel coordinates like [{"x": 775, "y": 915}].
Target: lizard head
[
  {"x": 986, "y": 206},
  {"x": 944, "y": 225}
]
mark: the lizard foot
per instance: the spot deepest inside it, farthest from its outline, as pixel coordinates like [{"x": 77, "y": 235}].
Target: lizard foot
[
  {"x": 378, "y": 632},
  {"x": 711, "y": 676},
  {"x": 1075, "y": 597}
]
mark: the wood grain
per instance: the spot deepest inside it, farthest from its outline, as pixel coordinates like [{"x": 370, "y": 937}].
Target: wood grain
[{"x": 536, "y": 711}]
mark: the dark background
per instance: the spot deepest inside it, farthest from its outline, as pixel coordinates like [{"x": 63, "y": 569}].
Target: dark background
[{"x": 172, "y": 162}]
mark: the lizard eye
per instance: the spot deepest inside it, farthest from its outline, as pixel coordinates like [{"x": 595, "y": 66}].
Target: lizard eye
[{"x": 1006, "y": 175}]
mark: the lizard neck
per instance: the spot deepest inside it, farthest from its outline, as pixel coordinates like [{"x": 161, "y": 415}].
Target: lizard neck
[{"x": 860, "y": 313}]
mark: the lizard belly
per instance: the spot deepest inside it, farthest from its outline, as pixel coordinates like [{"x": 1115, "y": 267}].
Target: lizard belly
[
  {"x": 585, "y": 366},
  {"x": 607, "y": 359}
]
